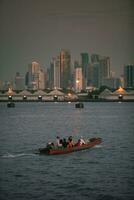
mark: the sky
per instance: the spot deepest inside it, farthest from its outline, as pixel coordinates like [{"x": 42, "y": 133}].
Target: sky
[{"x": 36, "y": 30}]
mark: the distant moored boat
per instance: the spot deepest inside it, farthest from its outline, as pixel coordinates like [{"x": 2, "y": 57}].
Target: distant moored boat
[
  {"x": 10, "y": 104},
  {"x": 79, "y": 105}
]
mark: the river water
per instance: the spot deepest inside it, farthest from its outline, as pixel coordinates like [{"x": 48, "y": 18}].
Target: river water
[{"x": 103, "y": 172}]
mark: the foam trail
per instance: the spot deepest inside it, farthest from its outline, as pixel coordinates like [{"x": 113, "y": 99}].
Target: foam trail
[
  {"x": 98, "y": 146},
  {"x": 9, "y": 155}
]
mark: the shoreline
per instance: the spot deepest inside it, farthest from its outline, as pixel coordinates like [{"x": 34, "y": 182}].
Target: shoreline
[{"x": 72, "y": 101}]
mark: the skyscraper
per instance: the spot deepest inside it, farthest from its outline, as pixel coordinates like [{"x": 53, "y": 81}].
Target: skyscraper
[
  {"x": 42, "y": 79},
  {"x": 78, "y": 79},
  {"x": 95, "y": 58},
  {"x": 55, "y": 73},
  {"x": 35, "y": 76},
  {"x": 104, "y": 69},
  {"x": 19, "y": 82},
  {"x": 85, "y": 64},
  {"x": 51, "y": 74},
  {"x": 90, "y": 75},
  {"x": 99, "y": 70},
  {"x": 65, "y": 69},
  {"x": 129, "y": 76},
  {"x": 96, "y": 72}
]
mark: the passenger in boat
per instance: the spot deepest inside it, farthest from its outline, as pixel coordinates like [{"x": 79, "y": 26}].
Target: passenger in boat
[
  {"x": 58, "y": 142},
  {"x": 64, "y": 143},
  {"x": 70, "y": 138},
  {"x": 82, "y": 141},
  {"x": 50, "y": 145},
  {"x": 70, "y": 142},
  {"x": 78, "y": 143},
  {"x": 61, "y": 143}
]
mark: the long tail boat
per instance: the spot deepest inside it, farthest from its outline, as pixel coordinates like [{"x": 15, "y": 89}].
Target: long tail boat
[{"x": 61, "y": 150}]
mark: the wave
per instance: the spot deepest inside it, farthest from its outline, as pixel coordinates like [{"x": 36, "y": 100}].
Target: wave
[
  {"x": 98, "y": 146},
  {"x": 9, "y": 155}
]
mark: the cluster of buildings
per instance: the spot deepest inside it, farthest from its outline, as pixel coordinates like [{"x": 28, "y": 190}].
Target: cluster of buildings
[{"x": 90, "y": 72}]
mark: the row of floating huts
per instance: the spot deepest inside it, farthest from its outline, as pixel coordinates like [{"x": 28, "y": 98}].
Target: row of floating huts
[
  {"x": 37, "y": 96},
  {"x": 56, "y": 95},
  {"x": 119, "y": 94}
]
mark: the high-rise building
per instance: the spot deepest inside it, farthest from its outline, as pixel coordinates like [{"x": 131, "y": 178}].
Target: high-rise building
[
  {"x": 57, "y": 73},
  {"x": 42, "y": 80},
  {"x": 122, "y": 84},
  {"x": 99, "y": 70},
  {"x": 129, "y": 76},
  {"x": 7, "y": 85},
  {"x": 65, "y": 69},
  {"x": 112, "y": 82},
  {"x": 95, "y": 58},
  {"x": 76, "y": 64},
  {"x": 85, "y": 64},
  {"x": 90, "y": 75},
  {"x": 48, "y": 78},
  {"x": 104, "y": 69},
  {"x": 78, "y": 77},
  {"x": 19, "y": 82},
  {"x": 96, "y": 72},
  {"x": 51, "y": 74},
  {"x": 35, "y": 77}
]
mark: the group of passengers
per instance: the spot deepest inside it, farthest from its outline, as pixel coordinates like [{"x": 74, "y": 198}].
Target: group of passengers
[{"x": 66, "y": 143}]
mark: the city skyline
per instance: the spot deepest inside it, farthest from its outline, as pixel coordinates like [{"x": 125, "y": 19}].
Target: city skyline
[
  {"x": 78, "y": 61},
  {"x": 38, "y": 30},
  {"x": 59, "y": 75}
]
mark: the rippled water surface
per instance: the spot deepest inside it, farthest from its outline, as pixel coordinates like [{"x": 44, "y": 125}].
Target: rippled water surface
[{"x": 104, "y": 172}]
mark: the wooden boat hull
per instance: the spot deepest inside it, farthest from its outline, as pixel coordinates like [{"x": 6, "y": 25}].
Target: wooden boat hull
[{"x": 57, "y": 151}]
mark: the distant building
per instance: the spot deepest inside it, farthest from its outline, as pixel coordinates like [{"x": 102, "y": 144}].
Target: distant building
[
  {"x": 50, "y": 75},
  {"x": 7, "y": 85},
  {"x": 57, "y": 73},
  {"x": 76, "y": 64},
  {"x": 98, "y": 70},
  {"x": 96, "y": 76},
  {"x": 95, "y": 58},
  {"x": 65, "y": 69},
  {"x": 122, "y": 84},
  {"x": 129, "y": 76},
  {"x": 78, "y": 79},
  {"x": 104, "y": 72},
  {"x": 84, "y": 64},
  {"x": 35, "y": 77},
  {"x": 42, "y": 80},
  {"x": 111, "y": 82},
  {"x": 19, "y": 82},
  {"x": 90, "y": 75}
]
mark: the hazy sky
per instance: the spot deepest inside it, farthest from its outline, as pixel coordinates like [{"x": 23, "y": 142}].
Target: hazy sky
[{"x": 36, "y": 30}]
